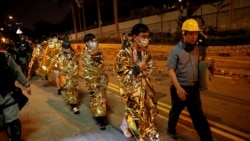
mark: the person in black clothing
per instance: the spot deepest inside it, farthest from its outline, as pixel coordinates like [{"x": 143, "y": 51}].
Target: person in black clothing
[
  {"x": 202, "y": 43},
  {"x": 24, "y": 51},
  {"x": 12, "y": 49}
]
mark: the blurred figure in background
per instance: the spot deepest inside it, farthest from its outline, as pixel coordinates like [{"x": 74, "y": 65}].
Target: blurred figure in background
[
  {"x": 36, "y": 59},
  {"x": 202, "y": 43},
  {"x": 52, "y": 50},
  {"x": 24, "y": 51},
  {"x": 12, "y": 49}
]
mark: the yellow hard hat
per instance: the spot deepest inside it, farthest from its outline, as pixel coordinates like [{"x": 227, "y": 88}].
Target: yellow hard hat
[{"x": 190, "y": 25}]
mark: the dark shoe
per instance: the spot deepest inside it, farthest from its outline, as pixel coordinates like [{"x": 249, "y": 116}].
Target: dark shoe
[
  {"x": 172, "y": 135},
  {"x": 102, "y": 127},
  {"x": 76, "y": 110},
  {"x": 59, "y": 92}
]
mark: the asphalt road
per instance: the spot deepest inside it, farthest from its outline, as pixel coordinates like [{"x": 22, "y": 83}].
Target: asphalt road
[{"x": 47, "y": 117}]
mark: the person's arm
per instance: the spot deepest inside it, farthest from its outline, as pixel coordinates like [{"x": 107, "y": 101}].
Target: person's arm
[
  {"x": 171, "y": 66},
  {"x": 203, "y": 34},
  {"x": 173, "y": 79},
  {"x": 20, "y": 76},
  {"x": 125, "y": 68},
  {"x": 180, "y": 91}
]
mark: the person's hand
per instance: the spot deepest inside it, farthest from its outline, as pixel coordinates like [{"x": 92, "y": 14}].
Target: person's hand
[
  {"x": 181, "y": 94},
  {"x": 142, "y": 66},
  {"x": 28, "y": 90},
  {"x": 143, "y": 63},
  {"x": 95, "y": 52}
]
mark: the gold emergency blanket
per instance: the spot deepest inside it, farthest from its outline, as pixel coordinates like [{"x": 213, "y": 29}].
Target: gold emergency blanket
[
  {"x": 51, "y": 52},
  {"x": 137, "y": 93},
  {"x": 96, "y": 80},
  {"x": 68, "y": 67},
  {"x": 36, "y": 61}
]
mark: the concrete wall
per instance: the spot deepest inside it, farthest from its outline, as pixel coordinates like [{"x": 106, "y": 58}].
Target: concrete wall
[{"x": 240, "y": 19}]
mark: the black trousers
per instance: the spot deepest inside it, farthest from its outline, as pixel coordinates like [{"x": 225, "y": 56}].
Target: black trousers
[{"x": 193, "y": 103}]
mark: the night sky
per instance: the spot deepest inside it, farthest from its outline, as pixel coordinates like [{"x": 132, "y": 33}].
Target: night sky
[{"x": 31, "y": 11}]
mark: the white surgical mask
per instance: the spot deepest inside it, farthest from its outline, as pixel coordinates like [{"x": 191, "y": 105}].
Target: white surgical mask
[
  {"x": 39, "y": 46},
  {"x": 144, "y": 42},
  {"x": 55, "y": 40},
  {"x": 92, "y": 45}
]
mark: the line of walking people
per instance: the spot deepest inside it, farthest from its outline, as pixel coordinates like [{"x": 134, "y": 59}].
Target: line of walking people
[{"x": 133, "y": 66}]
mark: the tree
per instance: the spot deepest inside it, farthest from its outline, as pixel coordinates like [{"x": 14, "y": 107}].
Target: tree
[
  {"x": 115, "y": 5},
  {"x": 71, "y": 4},
  {"x": 220, "y": 5}
]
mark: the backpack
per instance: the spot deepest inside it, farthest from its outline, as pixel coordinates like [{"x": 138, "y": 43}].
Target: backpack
[{"x": 7, "y": 75}]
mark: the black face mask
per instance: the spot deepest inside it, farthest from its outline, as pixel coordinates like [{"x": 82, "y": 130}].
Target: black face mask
[{"x": 189, "y": 47}]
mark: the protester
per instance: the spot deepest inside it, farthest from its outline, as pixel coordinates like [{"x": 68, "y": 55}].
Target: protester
[
  {"x": 124, "y": 125},
  {"x": 36, "y": 59},
  {"x": 51, "y": 52},
  {"x": 133, "y": 66},
  {"x": 95, "y": 78},
  {"x": 182, "y": 65},
  {"x": 8, "y": 107},
  {"x": 67, "y": 65}
]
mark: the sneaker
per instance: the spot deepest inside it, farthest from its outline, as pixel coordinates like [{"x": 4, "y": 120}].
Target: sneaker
[
  {"x": 76, "y": 110},
  {"x": 156, "y": 137},
  {"x": 126, "y": 133},
  {"x": 102, "y": 127},
  {"x": 172, "y": 135}
]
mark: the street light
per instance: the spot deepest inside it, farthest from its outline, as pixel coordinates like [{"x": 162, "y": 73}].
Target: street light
[
  {"x": 10, "y": 17},
  {"x": 8, "y": 21},
  {"x": 19, "y": 31}
]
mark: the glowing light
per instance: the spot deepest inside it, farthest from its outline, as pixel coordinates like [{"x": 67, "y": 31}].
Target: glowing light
[{"x": 19, "y": 31}]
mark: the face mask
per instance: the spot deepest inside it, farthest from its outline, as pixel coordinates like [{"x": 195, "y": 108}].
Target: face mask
[
  {"x": 55, "y": 40},
  {"x": 66, "y": 54},
  {"x": 92, "y": 45},
  {"x": 189, "y": 48},
  {"x": 144, "y": 42}
]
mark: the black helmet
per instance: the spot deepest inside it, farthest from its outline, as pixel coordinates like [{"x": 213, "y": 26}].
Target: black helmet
[{"x": 66, "y": 45}]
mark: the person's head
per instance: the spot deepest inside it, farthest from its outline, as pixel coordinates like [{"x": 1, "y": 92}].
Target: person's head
[
  {"x": 140, "y": 34},
  {"x": 66, "y": 47},
  {"x": 54, "y": 37},
  {"x": 90, "y": 41},
  {"x": 130, "y": 37},
  {"x": 66, "y": 38},
  {"x": 22, "y": 37},
  {"x": 190, "y": 31},
  {"x": 3, "y": 46}
]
